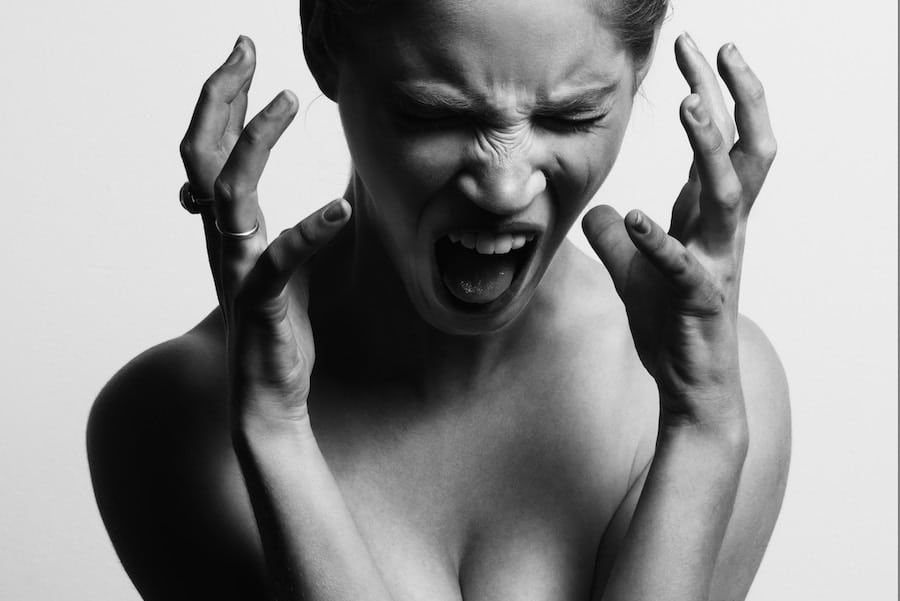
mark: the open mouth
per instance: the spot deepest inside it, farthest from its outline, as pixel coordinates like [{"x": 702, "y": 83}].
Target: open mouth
[{"x": 478, "y": 268}]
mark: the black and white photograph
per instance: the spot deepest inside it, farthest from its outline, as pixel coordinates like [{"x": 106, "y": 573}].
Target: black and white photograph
[{"x": 449, "y": 300}]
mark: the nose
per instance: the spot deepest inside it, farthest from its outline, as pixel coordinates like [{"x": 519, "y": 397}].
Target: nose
[{"x": 503, "y": 185}]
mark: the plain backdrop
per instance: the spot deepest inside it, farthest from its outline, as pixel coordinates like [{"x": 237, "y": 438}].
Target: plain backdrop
[{"x": 99, "y": 262}]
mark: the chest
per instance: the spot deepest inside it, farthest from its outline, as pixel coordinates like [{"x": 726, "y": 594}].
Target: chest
[
  {"x": 505, "y": 501},
  {"x": 483, "y": 500}
]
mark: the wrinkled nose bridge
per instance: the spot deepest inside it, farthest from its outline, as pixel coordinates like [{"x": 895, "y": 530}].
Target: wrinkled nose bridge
[{"x": 502, "y": 180}]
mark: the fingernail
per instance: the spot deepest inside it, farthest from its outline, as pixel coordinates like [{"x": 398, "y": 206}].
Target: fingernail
[
  {"x": 640, "y": 225},
  {"x": 690, "y": 41},
  {"x": 734, "y": 53},
  {"x": 335, "y": 211},
  {"x": 236, "y": 54},
  {"x": 280, "y": 104},
  {"x": 698, "y": 112},
  {"x": 239, "y": 40}
]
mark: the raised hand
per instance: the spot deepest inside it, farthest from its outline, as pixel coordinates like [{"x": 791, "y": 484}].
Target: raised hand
[
  {"x": 269, "y": 339},
  {"x": 681, "y": 289}
]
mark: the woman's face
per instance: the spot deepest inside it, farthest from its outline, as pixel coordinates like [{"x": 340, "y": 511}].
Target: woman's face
[{"x": 480, "y": 131}]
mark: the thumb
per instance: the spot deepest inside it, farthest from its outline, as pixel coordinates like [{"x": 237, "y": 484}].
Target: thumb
[{"x": 605, "y": 230}]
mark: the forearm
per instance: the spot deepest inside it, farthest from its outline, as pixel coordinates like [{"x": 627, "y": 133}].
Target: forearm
[
  {"x": 672, "y": 543},
  {"x": 313, "y": 547}
]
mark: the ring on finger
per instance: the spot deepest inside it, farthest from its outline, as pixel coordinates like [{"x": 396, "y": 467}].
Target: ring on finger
[
  {"x": 190, "y": 203},
  {"x": 239, "y": 235}
]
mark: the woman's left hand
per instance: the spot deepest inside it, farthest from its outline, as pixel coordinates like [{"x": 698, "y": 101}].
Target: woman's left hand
[{"x": 681, "y": 289}]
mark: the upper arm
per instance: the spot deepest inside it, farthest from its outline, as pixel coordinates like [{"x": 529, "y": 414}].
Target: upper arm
[
  {"x": 763, "y": 476},
  {"x": 155, "y": 453}
]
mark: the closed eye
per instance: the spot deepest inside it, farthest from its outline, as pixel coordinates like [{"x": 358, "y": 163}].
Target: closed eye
[{"x": 570, "y": 124}]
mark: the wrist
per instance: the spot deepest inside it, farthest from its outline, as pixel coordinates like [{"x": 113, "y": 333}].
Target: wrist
[
  {"x": 254, "y": 433},
  {"x": 724, "y": 440},
  {"x": 711, "y": 410}
]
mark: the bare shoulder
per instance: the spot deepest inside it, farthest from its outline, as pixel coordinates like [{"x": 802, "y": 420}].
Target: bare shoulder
[
  {"x": 596, "y": 326},
  {"x": 158, "y": 448},
  {"x": 618, "y": 393}
]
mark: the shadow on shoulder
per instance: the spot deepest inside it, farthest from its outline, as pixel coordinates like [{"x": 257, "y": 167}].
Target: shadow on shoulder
[{"x": 164, "y": 477}]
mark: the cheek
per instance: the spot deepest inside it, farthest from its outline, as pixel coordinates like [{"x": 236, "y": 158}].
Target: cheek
[{"x": 582, "y": 166}]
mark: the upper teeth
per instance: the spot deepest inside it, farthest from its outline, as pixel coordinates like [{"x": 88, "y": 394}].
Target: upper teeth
[{"x": 490, "y": 244}]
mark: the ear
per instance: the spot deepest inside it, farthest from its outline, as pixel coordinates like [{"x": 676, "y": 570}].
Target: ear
[{"x": 318, "y": 27}]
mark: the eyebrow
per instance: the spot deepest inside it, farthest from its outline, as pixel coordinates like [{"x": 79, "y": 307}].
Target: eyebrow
[{"x": 439, "y": 98}]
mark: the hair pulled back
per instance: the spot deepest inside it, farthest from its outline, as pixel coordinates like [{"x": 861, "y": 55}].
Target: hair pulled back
[{"x": 326, "y": 22}]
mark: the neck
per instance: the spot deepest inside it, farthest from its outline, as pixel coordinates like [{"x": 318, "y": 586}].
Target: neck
[{"x": 373, "y": 326}]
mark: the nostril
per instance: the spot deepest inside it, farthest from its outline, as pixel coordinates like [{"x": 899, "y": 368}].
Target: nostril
[{"x": 468, "y": 185}]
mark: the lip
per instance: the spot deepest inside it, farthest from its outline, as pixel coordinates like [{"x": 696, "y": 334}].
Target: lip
[
  {"x": 523, "y": 273},
  {"x": 526, "y": 229}
]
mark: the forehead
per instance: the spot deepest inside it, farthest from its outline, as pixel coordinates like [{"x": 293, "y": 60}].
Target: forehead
[{"x": 542, "y": 47}]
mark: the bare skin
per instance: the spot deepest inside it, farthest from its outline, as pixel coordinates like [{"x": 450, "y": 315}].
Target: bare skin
[{"x": 544, "y": 449}]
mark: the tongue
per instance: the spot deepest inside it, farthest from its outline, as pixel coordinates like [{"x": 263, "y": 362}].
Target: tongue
[{"x": 476, "y": 278}]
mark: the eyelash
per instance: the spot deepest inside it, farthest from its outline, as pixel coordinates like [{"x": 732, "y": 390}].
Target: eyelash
[
  {"x": 557, "y": 124},
  {"x": 571, "y": 125}
]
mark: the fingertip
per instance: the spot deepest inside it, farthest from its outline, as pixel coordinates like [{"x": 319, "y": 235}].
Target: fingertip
[
  {"x": 638, "y": 222},
  {"x": 284, "y": 104},
  {"x": 686, "y": 51},
  {"x": 597, "y": 218},
  {"x": 336, "y": 212},
  {"x": 728, "y": 59},
  {"x": 686, "y": 42},
  {"x": 291, "y": 98}
]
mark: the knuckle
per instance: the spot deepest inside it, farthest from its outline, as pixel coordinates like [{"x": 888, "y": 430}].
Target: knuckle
[
  {"x": 224, "y": 190},
  {"x": 731, "y": 194},
  {"x": 211, "y": 88},
  {"x": 681, "y": 263},
  {"x": 253, "y": 135},
  {"x": 228, "y": 190},
  {"x": 187, "y": 149},
  {"x": 306, "y": 234},
  {"x": 714, "y": 142},
  {"x": 658, "y": 242},
  {"x": 712, "y": 297},
  {"x": 756, "y": 93},
  {"x": 767, "y": 149}
]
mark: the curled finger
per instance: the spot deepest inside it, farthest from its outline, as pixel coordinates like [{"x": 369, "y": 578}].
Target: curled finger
[
  {"x": 220, "y": 109},
  {"x": 237, "y": 207},
  {"x": 674, "y": 262},
  {"x": 292, "y": 249},
  {"x": 721, "y": 190},
  {"x": 702, "y": 79},
  {"x": 756, "y": 146}
]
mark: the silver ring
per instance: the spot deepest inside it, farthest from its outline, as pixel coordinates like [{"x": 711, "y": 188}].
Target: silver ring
[
  {"x": 192, "y": 205},
  {"x": 239, "y": 235}
]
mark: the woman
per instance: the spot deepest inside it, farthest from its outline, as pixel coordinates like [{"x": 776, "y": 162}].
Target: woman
[{"x": 482, "y": 420}]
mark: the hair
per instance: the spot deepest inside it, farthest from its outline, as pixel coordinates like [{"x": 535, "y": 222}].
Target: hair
[{"x": 635, "y": 22}]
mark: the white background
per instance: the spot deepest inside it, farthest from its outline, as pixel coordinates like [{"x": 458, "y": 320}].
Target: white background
[{"x": 99, "y": 261}]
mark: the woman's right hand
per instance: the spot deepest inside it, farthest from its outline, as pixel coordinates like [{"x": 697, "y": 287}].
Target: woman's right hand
[{"x": 268, "y": 334}]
